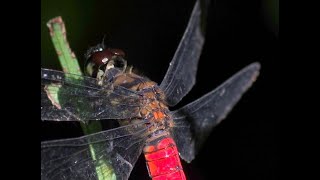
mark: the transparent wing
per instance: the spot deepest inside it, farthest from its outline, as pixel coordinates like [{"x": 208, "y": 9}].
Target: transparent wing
[
  {"x": 109, "y": 154},
  {"x": 181, "y": 73},
  {"x": 68, "y": 97},
  {"x": 193, "y": 122}
]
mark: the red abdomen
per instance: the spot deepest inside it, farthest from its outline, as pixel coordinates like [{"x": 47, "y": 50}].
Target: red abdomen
[{"x": 163, "y": 160}]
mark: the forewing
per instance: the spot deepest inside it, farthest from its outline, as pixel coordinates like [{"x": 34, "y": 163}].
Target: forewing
[
  {"x": 194, "y": 122},
  {"x": 181, "y": 73},
  {"x": 109, "y": 154},
  {"x": 68, "y": 97}
]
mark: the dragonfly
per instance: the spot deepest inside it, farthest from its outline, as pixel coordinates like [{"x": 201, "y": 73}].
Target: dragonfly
[{"x": 111, "y": 91}]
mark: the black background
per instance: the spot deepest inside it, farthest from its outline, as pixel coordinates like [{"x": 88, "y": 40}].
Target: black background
[{"x": 244, "y": 145}]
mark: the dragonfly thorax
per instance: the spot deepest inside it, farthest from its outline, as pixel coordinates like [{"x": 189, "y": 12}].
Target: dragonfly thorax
[{"x": 154, "y": 108}]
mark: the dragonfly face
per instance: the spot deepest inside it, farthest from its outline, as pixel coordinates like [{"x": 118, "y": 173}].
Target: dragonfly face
[
  {"x": 111, "y": 91},
  {"x": 99, "y": 58}
]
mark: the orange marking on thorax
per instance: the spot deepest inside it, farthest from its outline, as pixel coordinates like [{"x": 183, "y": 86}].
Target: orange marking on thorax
[
  {"x": 155, "y": 115},
  {"x": 158, "y": 115}
]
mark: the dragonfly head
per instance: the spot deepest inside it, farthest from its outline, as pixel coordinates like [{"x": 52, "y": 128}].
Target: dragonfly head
[{"x": 99, "y": 59}]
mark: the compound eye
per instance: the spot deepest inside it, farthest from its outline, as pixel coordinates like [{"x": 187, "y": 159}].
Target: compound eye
[
  {"x": 101, "y": 57},
  {"x": 118, "y": 52},
  {"x": 96, "y": 60}
]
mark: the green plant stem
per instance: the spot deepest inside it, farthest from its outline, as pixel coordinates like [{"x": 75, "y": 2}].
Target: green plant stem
[{"x": 70, "y": 64}]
